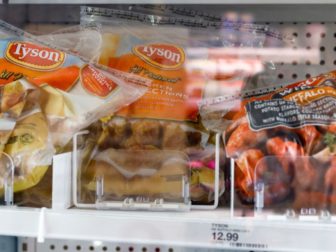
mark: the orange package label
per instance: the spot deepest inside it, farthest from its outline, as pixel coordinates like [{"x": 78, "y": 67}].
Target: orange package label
[
  {"x": 42, "y": 65},
  {"x": 95, "y": 82},
  {"x": 174, "y": 93},
  {"x": 25, "y": 59}
]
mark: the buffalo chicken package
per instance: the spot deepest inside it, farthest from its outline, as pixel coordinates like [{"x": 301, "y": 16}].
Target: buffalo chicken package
[
  {"x": 282, "y": 145},
  {"x": 47, "y": 95},
  {"x": 147, "y": 148}
]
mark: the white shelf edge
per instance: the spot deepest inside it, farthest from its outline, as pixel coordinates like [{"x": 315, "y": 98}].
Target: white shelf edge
[{"x": 189, "y": 229}]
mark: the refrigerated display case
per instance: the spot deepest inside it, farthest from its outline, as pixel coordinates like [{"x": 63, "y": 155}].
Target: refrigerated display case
[{"x": 311, "y": 23}]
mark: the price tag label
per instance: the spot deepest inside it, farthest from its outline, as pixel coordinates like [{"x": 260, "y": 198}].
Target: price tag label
[{"x": 234, "y": 237}]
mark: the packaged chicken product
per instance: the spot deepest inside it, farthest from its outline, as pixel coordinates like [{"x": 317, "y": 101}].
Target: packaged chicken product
[
  {"x": 151, "y": 52},
  {"x": 13, "y": 99},
  {"x": 25, "y": 138},
  {"x": 164, "y": 124},
  {"x": 30, "y": 145},
  {"x": 282, "y": 144},
  {"x": 176, "y": 52},
  {"x": 75, "y": 93},
  {"x": 47, "y": 95},
  {"x": 166, "y": 118}
]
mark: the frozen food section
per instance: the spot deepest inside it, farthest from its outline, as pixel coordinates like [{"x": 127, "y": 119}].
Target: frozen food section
[{"x": 168, "y": 125}]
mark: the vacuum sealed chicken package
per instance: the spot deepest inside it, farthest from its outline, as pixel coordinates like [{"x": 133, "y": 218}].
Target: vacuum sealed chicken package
[
  {"x": 148, "y": 149},
  {"x": 282, "y": 146},
  {"x": 47, "y": 95}
]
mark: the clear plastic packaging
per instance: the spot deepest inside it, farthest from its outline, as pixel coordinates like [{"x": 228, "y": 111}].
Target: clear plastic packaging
[
  {"x": 76, "y": 93},
  {"x": 146, "y": 160},
  {"x": 47, "y": 95},
  {"x": 173, "y": 51},
  {"x": 26, "y": 148},
  {"x": 174, "y": 11},
  {"x": 223, "y": 54},
  {"x": 282, "y": 146},
  {"x": 30, "y": 144},
  {"x": 82, "y": 40},
  {"x": 168, "y": 113}
]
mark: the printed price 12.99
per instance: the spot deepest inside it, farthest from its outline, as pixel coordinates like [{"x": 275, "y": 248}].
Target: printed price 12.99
[{"x": 221, "y": 236}]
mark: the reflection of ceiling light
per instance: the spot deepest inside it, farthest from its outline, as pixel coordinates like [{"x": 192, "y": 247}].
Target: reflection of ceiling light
[
  {"x": 97, "y": 243},
  {"x": 225, "y": 66},
  {"x": 286, "y": 55},
  {"x": 223, "y": 88}
]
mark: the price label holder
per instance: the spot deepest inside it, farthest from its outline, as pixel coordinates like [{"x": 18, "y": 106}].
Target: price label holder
[
  {"x": 267, "y": 235},
  {"x": 234, "y": 236}
]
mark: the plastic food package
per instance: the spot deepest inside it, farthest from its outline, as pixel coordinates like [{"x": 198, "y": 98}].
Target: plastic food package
[
  {"x": 25, "y": 137},
  {"x": 236, "y": 49},
  {"x": 158, "y": 47},
  {"x": 75, "y": 93},
  {"x": 151, "y": 52},
  {"x": 165, "y": 120},
  {"x": 30, "y": 145},
  {"x": 13, "y": 99},
  {"x": 283, "y": 145},
  {"x": 47, "y": 95},
  {"x": 174, "y": 11},
  {"x": 82, "y": 40},
  {"x": 222, "y": 53}
]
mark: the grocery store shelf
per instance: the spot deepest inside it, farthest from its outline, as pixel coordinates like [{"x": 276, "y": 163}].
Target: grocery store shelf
[
  {"x": 203, "y": 229},
  {"x": 173, "y": 1},
  {"x": 189, "y": 229}
]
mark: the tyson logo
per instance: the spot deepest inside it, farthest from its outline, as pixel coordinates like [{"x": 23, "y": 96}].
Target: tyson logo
[
  {"x": 34, "y": 56},
  {"x": 164, "y": 56}
]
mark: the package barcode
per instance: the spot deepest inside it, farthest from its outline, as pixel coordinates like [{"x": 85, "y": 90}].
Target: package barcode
[{"x": 247, "y": 245}]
